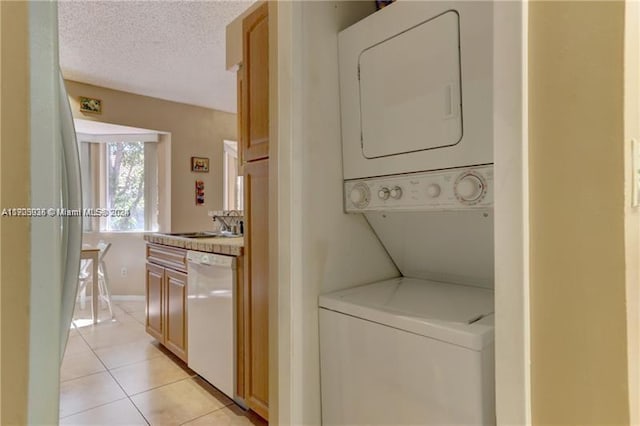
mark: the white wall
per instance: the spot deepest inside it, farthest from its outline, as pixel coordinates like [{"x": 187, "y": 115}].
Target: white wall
[{"x": 338, "y": 250}]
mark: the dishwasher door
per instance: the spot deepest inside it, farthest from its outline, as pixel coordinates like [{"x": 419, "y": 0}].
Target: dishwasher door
[{"x": 211, "y": 318}]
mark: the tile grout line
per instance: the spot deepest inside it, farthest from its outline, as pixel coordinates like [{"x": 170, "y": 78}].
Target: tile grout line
[
  {"x": 129, "y": 364},
  {"x": 206, "y": 414},
  {"x": 92, "y": 408},
  {"x": 161, "y": 386},
  {"x": 82, "y": 377}
]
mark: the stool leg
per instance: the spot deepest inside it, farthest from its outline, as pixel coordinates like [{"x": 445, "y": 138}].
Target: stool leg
[
  {"x": 105, "y": 289},
  {"x": 83, "y": 296}
]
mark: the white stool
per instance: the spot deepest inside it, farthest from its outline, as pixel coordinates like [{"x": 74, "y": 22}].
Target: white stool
[{"x": 86, "y": 277}]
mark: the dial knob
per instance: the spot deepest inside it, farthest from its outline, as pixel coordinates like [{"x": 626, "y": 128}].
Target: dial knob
[
  {"x": 359, "y": 195},
  {"x": 433, "y": 190},
  {"x": 383, "y": 193},
  {"x": 396, "y": 192},
  {"x": 469, "y": 188}
]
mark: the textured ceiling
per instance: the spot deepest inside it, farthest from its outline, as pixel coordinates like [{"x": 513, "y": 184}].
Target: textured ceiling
[{"x": 171, "y": 50}]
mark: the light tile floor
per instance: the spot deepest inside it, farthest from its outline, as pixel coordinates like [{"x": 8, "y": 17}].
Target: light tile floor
[{"x": 113, "y": 373}]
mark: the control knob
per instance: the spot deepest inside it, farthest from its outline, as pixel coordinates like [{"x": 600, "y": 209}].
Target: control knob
[
  {"x": 383, "y": 193},
  {"x": 433, "y": 190},
  {"x": 469, "y": 188},
  {"x": 359, "y": 195},
  {"x": 396, "y": 192}
]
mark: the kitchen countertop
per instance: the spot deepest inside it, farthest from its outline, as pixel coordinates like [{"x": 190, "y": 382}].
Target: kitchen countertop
[{"x": 219, "y": 245}]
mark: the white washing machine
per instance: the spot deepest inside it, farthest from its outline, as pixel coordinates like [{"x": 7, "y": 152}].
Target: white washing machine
[{"x": 407, "y": 352}]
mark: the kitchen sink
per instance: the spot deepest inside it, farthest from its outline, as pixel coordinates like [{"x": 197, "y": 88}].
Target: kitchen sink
[{"x": 202, "y": 234}]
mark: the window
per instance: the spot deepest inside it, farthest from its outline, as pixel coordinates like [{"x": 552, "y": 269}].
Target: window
[
  {"x": 125, "y": 180},
  {"x": 121, "y": 175}
]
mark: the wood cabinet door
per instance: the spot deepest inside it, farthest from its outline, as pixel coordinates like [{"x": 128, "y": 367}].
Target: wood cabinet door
[
  {"x": 254, "y": 105},
  {"x": 256, "y": 286},
  {"x": 175, "y": 330},
  {"x": 154, "y": 312}
]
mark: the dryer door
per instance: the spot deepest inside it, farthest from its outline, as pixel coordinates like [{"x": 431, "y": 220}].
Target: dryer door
[
  {"x": 416, "y": 88},
  {"x": 410, "y": 96}
]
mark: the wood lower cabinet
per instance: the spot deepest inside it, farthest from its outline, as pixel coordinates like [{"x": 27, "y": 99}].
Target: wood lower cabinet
[
  {"x": 166, "y": 297},
  {"x": 175, "y": 336},
  {"x": 256, "y": 296},
  {"x": 154, "y": 309}
]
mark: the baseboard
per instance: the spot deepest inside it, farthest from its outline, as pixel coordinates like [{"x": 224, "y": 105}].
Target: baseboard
[{"x": 127, "y": 298}]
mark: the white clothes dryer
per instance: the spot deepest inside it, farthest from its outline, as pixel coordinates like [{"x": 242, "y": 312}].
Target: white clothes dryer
[{"x": 416, "y": 85}]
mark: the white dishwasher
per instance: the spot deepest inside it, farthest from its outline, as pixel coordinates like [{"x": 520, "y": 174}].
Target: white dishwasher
[{"x": 211, "y": 318}]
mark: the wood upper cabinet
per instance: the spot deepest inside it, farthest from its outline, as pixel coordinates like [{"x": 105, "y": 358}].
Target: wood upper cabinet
[
  {"x": 254, "y": 80},
  {"x": 166, "y": 297},
  {"x": 256, "y": 297}
]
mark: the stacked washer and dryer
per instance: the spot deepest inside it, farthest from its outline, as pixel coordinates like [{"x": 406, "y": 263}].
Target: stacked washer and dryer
[{"x": 416, "y": 85}]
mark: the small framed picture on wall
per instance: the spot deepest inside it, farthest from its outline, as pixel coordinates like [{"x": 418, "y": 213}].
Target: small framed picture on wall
[
  {"x": 200, "y": 164},
  {"x": 199, "y": 193},
  {"x": 91, "y": 105}
]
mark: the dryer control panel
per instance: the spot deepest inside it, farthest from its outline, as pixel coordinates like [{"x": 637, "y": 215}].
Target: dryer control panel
[{"x": 455, "y": 189}]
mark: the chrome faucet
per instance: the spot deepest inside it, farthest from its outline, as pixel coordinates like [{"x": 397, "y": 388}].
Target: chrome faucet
[{"x": 229, "y": 221}]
